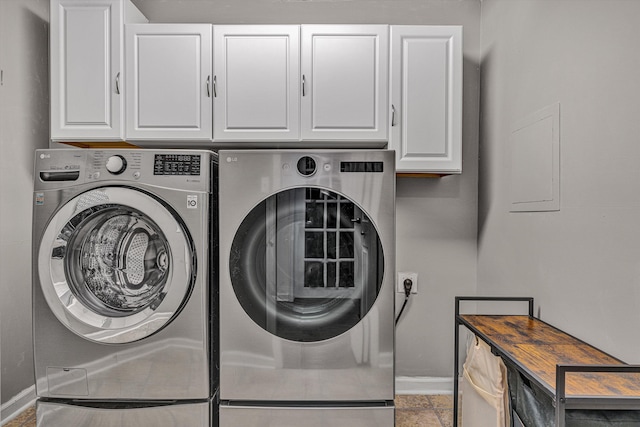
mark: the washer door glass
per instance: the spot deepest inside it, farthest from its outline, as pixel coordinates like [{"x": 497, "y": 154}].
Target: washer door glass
[
  {"x": 115, "y": 265},
  {"x": 306, "y": 264},
  {"x": 117, "y": 261}
]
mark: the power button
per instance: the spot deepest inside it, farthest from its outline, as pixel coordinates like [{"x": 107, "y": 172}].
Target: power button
[
  {"x": 192, "y": 201},
  {"x": 306, "y": 166}
]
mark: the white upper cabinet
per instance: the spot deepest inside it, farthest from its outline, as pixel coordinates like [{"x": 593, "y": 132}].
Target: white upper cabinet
[
  {"x": 344, "y": 82},
  {"x": 322, "y": 85},
  {"x": 87, "y": 82},
  {"x": 256, "y": 82},
  {"x": 169, "y": 82},
  {"x": 426, "y": 98}
]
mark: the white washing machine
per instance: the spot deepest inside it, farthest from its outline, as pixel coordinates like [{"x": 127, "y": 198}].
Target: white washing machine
[
  {"x": 307, "y": 273},
  {"x": 124, "y": 287}
]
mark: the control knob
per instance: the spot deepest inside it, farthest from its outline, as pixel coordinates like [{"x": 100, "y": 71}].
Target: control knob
[
  {"x": 116, "y": 164},
  {"x": 306, "y": 166}
]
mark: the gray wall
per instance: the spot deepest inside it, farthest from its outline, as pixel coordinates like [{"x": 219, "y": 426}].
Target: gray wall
[
  {"x": 24, "y": 126},
  {"x": 582, "y": 263}
]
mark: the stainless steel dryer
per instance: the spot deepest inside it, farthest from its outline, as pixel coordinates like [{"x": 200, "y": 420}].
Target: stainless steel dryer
[
  {"x": 124, "y": 287},
  {"x": 307, "y": 266}
]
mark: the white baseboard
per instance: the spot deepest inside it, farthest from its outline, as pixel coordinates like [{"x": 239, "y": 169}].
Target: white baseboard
[
  {"x": 424, "y": 385},
  {"x": 17, "y": 404}
]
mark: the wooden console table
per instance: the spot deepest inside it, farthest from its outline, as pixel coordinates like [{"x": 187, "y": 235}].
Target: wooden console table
[{"x": 573, "y": 373}]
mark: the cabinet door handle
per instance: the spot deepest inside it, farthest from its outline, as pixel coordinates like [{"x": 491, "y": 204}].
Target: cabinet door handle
[
  {"x": 208, "y": 86},
  {"x": 118, "y": 83},
  {"x": 303, "y": 85},
  {"x": 393, "y": 115},
  {"x": 215, "y": 87}
]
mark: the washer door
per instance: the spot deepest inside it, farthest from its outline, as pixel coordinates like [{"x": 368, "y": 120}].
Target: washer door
[
  {"x": 306, "y": 264},
  {"x": 115, "y": 265}
]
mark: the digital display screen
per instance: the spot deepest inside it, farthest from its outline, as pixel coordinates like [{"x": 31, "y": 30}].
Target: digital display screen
[
  {"x": 176, "y": 164},
  {"x": 361, "y": 166}
]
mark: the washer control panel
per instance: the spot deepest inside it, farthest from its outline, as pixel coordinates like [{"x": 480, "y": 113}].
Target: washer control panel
[
  {"x": 176, "y": 164},
  {"x": 183, "y": 169}
]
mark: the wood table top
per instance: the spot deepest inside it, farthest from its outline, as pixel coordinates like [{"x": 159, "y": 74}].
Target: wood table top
[{"x": 537, "y": 347}]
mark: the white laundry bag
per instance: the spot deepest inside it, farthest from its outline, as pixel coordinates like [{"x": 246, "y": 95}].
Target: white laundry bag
[{"x": 485, "y": 393}]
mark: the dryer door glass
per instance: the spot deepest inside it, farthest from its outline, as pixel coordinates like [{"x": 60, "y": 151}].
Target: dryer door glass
[{"x": 307, "y": 264}]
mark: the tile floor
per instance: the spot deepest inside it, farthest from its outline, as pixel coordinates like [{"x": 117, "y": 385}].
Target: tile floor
[
  {"x": 25, "y": 419},
  {"x": 411, "y": 411},
  {"x": 424, "y": 411}
]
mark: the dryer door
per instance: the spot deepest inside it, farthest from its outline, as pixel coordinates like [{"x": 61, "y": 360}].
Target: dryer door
[
  {"x": 306, "y": 264},
  {"x": 115, "y": 265}
]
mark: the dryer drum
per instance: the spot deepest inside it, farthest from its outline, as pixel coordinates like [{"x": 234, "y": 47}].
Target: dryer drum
[{"x": 117, "y": 261}]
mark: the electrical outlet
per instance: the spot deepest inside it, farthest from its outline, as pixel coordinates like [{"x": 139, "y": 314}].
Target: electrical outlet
[{"x": 407, "y": 275}]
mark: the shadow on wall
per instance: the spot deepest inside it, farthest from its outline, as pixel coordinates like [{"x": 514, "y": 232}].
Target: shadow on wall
[
  {"x": 24, "y": 34},
  {"x": 39, "y": 89},
  {"x": 486, "y": 168},
  {"x": 447, "y": 187}
]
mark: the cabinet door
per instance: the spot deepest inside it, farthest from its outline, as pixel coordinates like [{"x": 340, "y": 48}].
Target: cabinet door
[
  {"x": 86, "y": 59},
  {"x": 426, "y": 98},
  {"x": 169, "y": 82},
  {"x": 344, "y": 82},
  {"x": 256, "y": 82}
]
